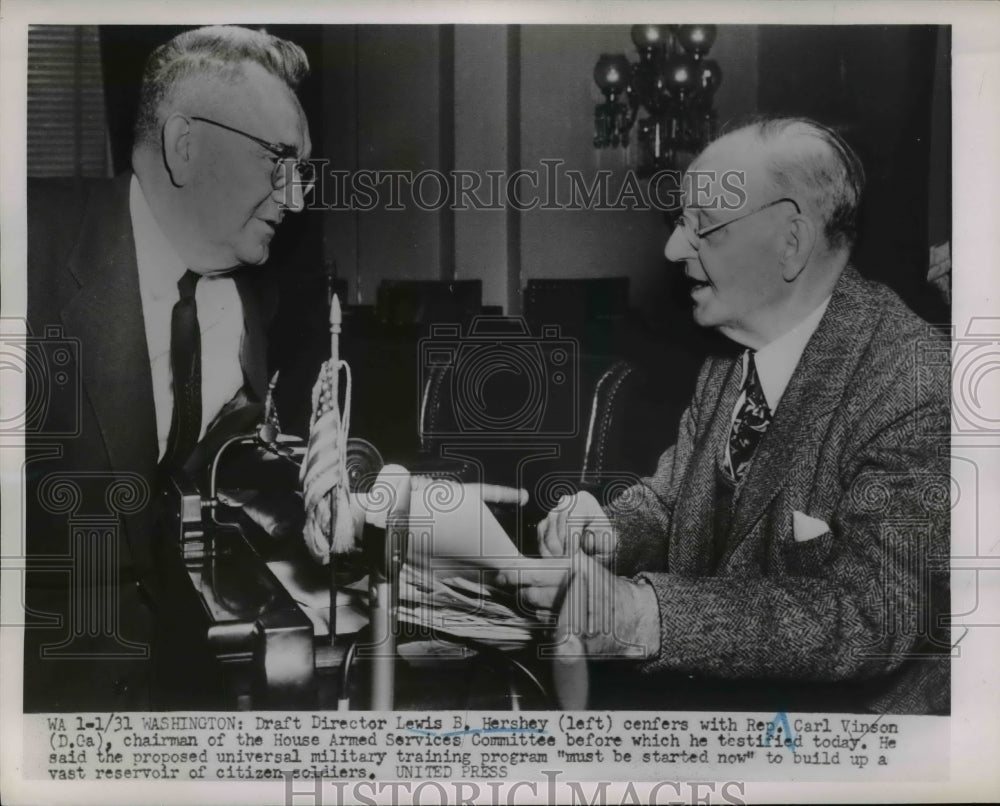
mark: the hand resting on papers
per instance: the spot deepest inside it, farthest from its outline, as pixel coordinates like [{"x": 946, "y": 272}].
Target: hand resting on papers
[{"x": 576, "y": 524}]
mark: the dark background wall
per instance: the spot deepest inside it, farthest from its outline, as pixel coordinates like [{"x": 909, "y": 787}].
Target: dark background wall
[
  {"x": 886, "y": 88},
  {"x": 505, "y": 97}
]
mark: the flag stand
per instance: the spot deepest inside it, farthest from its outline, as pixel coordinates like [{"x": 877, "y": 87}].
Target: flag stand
[{"x": 335, "y": 323}]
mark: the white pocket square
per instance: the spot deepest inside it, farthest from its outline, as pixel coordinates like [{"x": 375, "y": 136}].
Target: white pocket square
[{"x": 805, "y": 527}]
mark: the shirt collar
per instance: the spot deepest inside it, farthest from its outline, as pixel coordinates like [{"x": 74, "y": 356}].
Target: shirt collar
[
  {"x": 777, "y": 361},
  {"x": 160, "y": 267}
]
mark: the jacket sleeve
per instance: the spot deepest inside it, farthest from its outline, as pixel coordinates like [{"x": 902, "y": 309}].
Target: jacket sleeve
[{"x": 642, "y": 514}]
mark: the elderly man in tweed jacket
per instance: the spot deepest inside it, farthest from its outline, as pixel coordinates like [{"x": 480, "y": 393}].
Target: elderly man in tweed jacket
[{"x": 790, "y": 551}]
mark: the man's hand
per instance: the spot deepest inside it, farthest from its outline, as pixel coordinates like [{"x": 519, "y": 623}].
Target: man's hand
[
  {"x": 614, "y": 617},
  {"x": 939, "y": 271},
  {"x": 538, "y": 584},
  {"x": 576, "y": 528},
  {"x": 577, "y": 522},
  {"x": 602, "y": 617}
]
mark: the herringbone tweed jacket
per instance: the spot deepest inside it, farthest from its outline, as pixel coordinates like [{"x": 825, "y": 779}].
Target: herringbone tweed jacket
[{"x": 853, "y": 618}]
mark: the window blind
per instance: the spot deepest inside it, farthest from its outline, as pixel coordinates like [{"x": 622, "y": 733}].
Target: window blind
[{"x": 67, "y": 125}]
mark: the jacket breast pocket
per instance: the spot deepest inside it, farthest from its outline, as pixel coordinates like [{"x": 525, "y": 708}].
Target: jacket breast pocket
[{"x": 808, "y": 557}]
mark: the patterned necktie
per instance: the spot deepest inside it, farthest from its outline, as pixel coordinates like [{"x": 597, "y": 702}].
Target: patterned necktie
[
  {"x": 751, "y": 422},
  {"x": 185, "y": 362}
]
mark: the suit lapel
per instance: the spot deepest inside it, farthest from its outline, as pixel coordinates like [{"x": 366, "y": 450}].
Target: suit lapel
[
  {"x": 814, "y": 391},
  {"x": 106, "y": 315}
]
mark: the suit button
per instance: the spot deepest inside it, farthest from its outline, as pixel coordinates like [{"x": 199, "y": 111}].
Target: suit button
[{"x": 121, "y": 686}]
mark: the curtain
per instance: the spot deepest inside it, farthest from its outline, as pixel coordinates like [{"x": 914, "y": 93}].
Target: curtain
[{"x": 67, "y": 128}]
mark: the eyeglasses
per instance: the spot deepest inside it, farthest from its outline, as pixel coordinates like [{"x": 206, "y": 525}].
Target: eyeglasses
[
  {"x": 287, "y": 162},
  {"x": 695, "y": 235}
]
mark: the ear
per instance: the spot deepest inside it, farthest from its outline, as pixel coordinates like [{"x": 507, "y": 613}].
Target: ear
[
  {"x": 178, "y": 149},
  {"x": 797, "y": 247}
]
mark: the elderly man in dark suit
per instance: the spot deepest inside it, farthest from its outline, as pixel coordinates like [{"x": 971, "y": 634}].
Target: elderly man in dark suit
[
  {"x": 148, "y": 272},
  {"x": 782, "y": 556}
]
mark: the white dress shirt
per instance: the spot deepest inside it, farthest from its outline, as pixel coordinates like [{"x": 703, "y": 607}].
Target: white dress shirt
[
  {"x": 777, "y": 360},
  {"x": 220, "y": 319}
]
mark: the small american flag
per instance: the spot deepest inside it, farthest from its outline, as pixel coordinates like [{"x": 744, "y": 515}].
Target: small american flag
[{"x": 328, "y": 524}]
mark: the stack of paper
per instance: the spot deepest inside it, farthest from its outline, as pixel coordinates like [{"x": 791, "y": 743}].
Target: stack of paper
[
  {"x": 455, "y": 549},
  {"x": 471, "y": 609},
  {"x": 449, "y": 605}
]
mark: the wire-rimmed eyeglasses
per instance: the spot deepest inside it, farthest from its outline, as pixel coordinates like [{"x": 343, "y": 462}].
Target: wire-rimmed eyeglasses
[
  {"x": 695, "y": 235},
  {"x": 287, "y": 162}
]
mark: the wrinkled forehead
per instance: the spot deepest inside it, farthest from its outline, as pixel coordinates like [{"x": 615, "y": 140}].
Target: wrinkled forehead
[{"x": 732, "y": 172}]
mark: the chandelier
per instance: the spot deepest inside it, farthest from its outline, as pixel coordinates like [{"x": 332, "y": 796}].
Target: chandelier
[{"x": 673, "y": 82}]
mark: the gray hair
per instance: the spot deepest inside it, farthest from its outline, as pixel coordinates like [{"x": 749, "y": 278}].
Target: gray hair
[
  {"x": 813, "y": 164},
  {"x": 218, "y": 51}
]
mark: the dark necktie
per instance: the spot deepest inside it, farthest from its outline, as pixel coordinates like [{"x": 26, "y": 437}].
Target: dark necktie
[
  {"x": 185, "y": 362},
  {"x": 751, "y": 422}
]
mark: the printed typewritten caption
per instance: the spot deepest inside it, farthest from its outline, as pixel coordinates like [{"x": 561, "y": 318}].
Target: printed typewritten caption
[{"x": 344, "y": 746}]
